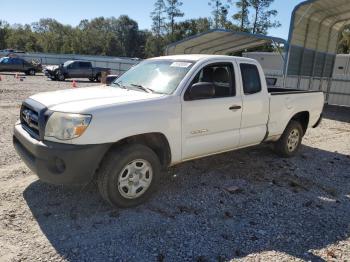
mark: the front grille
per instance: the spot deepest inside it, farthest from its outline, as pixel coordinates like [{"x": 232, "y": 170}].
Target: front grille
[
  {"x": 30, "y": 120},
  {"x": 32, "y": 117}
]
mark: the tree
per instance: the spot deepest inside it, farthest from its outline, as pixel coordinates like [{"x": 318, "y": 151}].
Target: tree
[
  {"x": 344, "y": 42},
  {"x": 155, "y": 45},
  {"x": 263, "y": 15},
  {"x": 4, "y": 30},
  {"x": 191, "y": 27},
  {"x": 158, "y": 18},
  {"x": 173, "y": 11},
  {"x": 242, "y": 15},
  {"x": 219, "y": 13}
]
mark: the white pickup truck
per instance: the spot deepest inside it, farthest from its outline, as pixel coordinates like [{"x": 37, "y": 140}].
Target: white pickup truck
[{"x": 162, "y": 112}]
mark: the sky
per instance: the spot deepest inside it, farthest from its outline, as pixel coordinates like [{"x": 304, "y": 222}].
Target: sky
[{"x": 73, "y": 11}]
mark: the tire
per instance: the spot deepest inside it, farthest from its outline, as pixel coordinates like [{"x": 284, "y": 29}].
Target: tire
[
  {"x": 290, "y": 141},
  {"x": 117, "y": 181},
  {"x": 98, "y": 78},
  {"x": 60, "y": 76},
  {"x": 91, "y": 79},
  {"x": 31, "y": 72}
]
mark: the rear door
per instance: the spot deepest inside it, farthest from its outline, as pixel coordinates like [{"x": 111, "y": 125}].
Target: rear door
[
  {"x": 212, "y": 125},
  {"x": 17, "y": 64},
  {"x": 255, "y": 104}
]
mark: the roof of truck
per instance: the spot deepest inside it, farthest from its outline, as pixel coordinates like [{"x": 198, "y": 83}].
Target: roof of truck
[{"x": 198, "y": 57}]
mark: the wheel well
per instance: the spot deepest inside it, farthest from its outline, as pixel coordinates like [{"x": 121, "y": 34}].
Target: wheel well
[
  {"x": 156, "y": 141},
  {"x": 303, "y": 119}
]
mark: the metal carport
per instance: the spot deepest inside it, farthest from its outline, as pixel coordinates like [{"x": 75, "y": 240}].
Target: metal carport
[
  {"x": 315, "y": 30},
  {"x": 220, "y": 42},
  {"x": 316, "y": 26}
]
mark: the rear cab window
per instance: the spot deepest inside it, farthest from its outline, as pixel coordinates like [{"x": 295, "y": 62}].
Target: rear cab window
[
  {"x": 250, "y": 78},
  {"x": 84, "y": 64}
]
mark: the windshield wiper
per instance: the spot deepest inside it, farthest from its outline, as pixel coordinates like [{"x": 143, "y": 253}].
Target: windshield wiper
[
  {"x": 146, "y": 89},
  {"x": 119, "y": 84}
]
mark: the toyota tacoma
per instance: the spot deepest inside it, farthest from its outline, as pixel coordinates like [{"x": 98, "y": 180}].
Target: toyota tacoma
[{"x": 160, "y": 113}]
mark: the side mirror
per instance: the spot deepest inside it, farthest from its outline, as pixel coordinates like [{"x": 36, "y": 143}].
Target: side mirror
[{"x": 201, "y": 90}]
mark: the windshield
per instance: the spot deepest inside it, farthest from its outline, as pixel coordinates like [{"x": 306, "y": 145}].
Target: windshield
[
  {"x": 157, "y": 76},
  {"x": 67, "y": 63}
]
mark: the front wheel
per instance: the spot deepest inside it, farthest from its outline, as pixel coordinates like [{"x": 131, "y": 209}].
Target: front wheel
[
  {"x": 98, "y": 78},
  {"x": 31, "y": 72},
  {"x": 290, "y": 141},
  {"x": 128, "y": 175},
  {"x": 60, "y": 76}
]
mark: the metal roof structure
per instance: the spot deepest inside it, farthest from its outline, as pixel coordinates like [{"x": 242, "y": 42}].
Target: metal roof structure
[
  {"x": 220, "y": 42},
  {"x": 316, "y": 26}
]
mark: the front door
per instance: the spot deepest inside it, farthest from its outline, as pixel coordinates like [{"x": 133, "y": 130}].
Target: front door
[
  {"x": 74, "y": 69},
  {"x": 212, "y": 125}
]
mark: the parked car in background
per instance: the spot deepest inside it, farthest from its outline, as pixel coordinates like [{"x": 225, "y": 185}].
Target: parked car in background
[
  {"x": 75, "y": 69},
  {"x": 16, "y": 64},
  {"x": 110, "y": 79},
  {"x": 160, "y": 113}
]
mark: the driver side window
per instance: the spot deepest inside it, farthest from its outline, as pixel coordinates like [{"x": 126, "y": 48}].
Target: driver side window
[{"x": 221, "y": 75}]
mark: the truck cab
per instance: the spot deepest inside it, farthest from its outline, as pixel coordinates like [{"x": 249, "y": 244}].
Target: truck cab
[{"x": 161, "y": 112}]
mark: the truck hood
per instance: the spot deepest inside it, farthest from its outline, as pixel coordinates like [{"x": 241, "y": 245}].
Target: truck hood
[
  {"x": 85, "y": 99},
  {"x": 52, "y": 67}
]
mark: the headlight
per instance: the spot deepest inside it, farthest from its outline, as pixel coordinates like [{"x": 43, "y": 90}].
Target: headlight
[{"x": 65, "y": 126}]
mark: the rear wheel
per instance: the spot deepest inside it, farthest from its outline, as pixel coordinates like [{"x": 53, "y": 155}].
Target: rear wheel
[
  {"x": 128, "y": 175},
  {"x": 290, "y": 141}
]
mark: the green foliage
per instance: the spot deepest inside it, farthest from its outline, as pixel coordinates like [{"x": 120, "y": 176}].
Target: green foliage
[
  {"x": 263, "y": 16},
  {"x": 99, "y": 36},
  {"x": 173, "y": 11},
  {"x": 242, "y": 15},
  {"x": 219, "y": 12},
  {"x": 344, "y": 42},
  {"x": 158, "y": 16}
]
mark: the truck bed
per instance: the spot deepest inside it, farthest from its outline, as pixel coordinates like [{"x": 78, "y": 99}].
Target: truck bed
[{"x": 285, "y": 103}]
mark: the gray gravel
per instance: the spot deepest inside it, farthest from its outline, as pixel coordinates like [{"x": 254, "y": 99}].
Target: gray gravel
[{"x": 281, "y": 210}]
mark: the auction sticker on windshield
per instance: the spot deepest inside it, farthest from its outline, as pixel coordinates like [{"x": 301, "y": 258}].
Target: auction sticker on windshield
[{"x": 181, "y": 64}]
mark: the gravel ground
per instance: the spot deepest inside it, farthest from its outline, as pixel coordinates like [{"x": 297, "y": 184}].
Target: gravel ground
[{"x": 281, "y": 209}]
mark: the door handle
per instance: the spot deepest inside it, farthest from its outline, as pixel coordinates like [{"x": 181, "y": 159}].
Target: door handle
[{"x": 235, "y": 107}]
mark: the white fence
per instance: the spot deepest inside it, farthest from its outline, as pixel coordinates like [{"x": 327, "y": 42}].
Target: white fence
[
  {"x": 116, "y": 64},
  {"x": 336, "y": 90}
]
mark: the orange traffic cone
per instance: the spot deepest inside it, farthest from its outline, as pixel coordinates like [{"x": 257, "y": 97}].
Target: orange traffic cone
[{"x": 74, "y": 84}]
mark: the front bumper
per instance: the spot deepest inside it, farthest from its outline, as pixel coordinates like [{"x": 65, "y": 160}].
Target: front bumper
[{"x": 57, "y": 163}]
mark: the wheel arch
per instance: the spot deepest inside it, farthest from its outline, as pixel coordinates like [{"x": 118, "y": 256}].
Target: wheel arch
[
  {"x": 155, "y": 141},
  {"x": 303, "y": 118}
]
